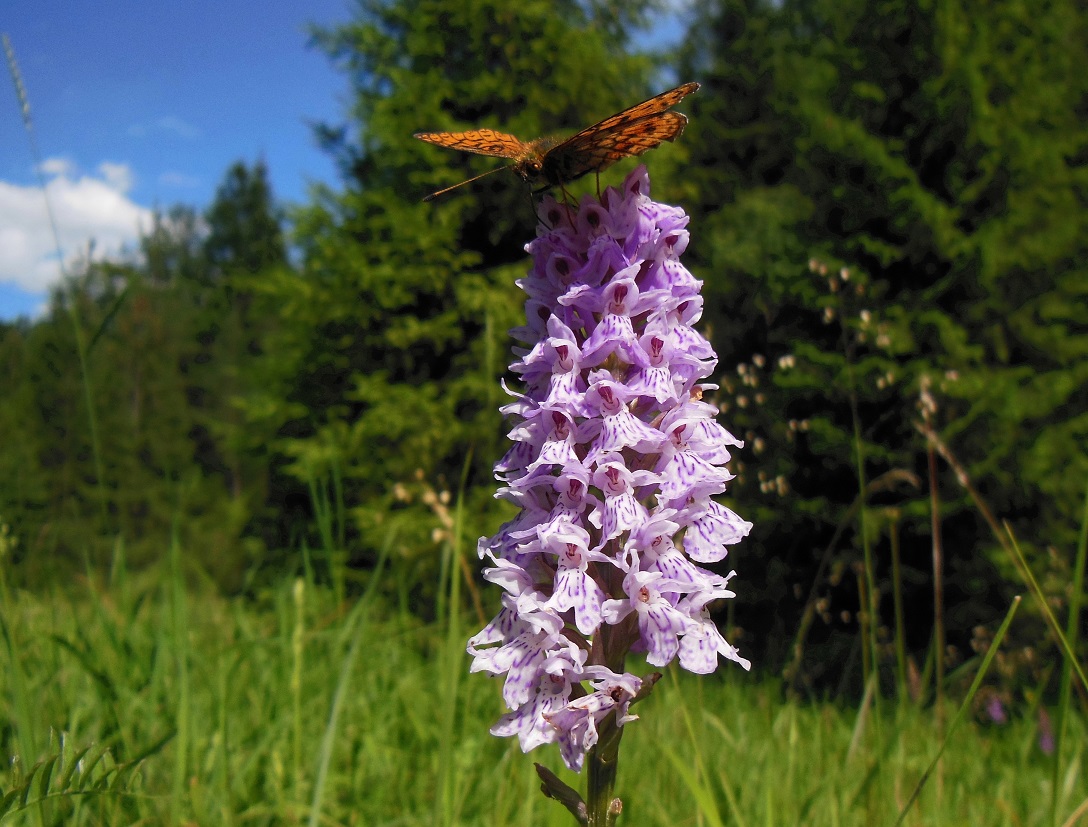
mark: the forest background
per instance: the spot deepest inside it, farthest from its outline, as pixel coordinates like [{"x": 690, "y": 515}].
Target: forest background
[{"x": 888, "y": 208}]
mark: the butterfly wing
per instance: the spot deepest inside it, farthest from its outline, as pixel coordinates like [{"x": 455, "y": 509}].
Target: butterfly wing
[
  {"x": 480, "y": 141},
  {"x": 630, "y": 132},
  {"x": 593, "y": 153},
  {"x": 646, "y": 109}
]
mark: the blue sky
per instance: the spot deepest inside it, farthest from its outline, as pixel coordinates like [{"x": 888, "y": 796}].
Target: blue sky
[
  {"x": 143, "y": 105},
  {"x": 137, "y": 105}
]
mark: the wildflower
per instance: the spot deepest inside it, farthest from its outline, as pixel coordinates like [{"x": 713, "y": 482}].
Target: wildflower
[
  {"x": 615, "y": 463},
  {"x": 1046, "y": 732}
]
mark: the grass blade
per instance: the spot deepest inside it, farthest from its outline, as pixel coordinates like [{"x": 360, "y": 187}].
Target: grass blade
[
  {"x": 1037, "y": 593},
  {"x": 962, "y": 711},
  {"x": 352, "y": 629}
]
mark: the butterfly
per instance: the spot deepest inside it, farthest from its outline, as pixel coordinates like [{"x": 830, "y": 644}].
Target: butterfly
[{"x": 550, "y": 162}]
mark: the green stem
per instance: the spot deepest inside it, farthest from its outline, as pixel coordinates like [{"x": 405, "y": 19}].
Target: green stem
[
  {"x": 603, "y": 764},
  {"x": 603, "y": 760}
]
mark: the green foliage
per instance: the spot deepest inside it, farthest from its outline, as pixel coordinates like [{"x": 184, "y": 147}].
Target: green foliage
[
  {"x": 169, "y": 342},
  {"x": 264, "y": 677},
  {"x": 245, "y": 231},
  {"x": 888, "y": 208},
  {"x": 65, "y": 777},
  {"x": 394, "y": 333}
]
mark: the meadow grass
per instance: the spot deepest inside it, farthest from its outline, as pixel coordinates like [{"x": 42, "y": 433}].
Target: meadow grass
[{"x": 292, "y": 708}]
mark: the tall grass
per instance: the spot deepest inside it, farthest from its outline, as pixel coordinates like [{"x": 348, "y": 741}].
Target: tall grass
[{"x": 287, "y": 709}]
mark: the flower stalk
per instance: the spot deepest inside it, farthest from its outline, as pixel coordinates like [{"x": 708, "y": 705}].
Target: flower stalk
[{"x": 615, "y": 462}]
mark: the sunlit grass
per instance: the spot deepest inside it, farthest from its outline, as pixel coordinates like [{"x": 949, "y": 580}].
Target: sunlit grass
[{"x": 244, "y": 692}]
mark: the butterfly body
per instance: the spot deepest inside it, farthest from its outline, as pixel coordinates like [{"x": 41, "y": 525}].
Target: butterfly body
[{"x": 552, "y": 162}]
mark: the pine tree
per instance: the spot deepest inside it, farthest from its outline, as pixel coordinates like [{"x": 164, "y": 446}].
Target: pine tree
[
  {"x": 395, "y": 336},
  {"x": 936, "y": 156}
]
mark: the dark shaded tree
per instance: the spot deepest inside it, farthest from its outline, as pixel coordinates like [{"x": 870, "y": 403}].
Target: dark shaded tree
[
  {"x": 395, "y": 335},
  {"x": 894, "y": 197},
  {"x": 123, "y": 402},
  {"x": 245, "y": 228}
]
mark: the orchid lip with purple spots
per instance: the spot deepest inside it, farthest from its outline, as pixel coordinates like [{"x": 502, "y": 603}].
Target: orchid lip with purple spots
[{"x": 615, "y": 463}]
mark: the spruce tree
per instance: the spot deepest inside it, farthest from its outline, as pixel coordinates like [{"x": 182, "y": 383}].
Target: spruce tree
[
  {"x": 935, "y": 157},
  {"x": 395, "y": 334}
]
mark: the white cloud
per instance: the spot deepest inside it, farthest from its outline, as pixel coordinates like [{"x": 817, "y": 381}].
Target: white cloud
[
  {"x": 172, "y": 178},
  {"x": 167, "y": 123},
  {"x": 118, "y": 176},
  {"x": 178, "y": 126},
  {"x": 86, "y": 208},
  {"x": 58, "y": 166}
]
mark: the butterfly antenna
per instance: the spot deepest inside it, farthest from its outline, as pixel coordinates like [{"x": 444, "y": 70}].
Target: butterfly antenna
[{"x": 434, "y": 195}]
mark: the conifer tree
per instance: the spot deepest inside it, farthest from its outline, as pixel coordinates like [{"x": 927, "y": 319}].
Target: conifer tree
[
  {"x": 395, "y": 335},
  {"x": 935, "y": 156}
]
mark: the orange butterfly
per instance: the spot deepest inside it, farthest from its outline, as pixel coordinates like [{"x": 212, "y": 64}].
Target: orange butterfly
[{"x": 553, "y": 162}]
